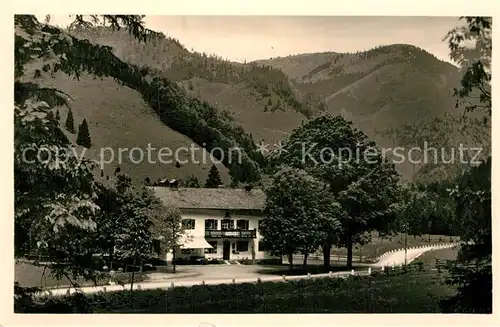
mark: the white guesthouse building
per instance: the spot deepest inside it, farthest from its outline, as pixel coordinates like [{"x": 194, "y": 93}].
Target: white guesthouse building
[{"x": 218, "y": 223}]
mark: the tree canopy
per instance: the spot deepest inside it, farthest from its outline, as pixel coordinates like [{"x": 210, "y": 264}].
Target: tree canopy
[
  {"x": 298, "y": 217},
  {"x": 359, "y": 178}
]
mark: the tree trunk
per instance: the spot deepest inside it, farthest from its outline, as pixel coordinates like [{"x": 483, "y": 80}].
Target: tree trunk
[
  {"x": 133, "y": 275},
  {"x": 326, "y": 255},
  {"x": 349, "y": 251},
  {"x": 111, "y": 258},
  {"x": 253, "y": 252},
  {"x": 304, "y": 264},
  {"x": 173, "y": 260},
  {"x": 290, "y": 262}
]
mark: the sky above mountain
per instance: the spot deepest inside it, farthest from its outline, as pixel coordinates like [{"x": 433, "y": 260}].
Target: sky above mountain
[{"x": 248, "y": 38}]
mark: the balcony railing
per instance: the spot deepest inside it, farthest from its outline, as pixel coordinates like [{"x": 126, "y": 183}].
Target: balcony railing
[{"x": 231, "y": 233}]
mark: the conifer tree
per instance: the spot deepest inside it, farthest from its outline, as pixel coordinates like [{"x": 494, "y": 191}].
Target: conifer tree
[
  {"x": 213, "y": 179},
  {"x": 192, "y": 181},
  {"x": 83, "y": 137},
  {"x": 70, "y": 124}
]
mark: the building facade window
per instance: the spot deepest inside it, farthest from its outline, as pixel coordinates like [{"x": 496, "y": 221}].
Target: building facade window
[
  {"x": 242, "y": 246},
  {"x": 213, "y": 250},
  {"x": 227, "y": 224},
  {"x": 211, "y": 224},
  {"x": 242, "y": 224},
  {"x": 188, "y": 224}
]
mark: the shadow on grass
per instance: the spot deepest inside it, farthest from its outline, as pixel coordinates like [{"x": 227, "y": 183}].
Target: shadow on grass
[{"x": 312, "y": 269}]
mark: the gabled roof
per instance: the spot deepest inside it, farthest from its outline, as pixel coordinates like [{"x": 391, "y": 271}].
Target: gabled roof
[{"x": 211, "y": 198}]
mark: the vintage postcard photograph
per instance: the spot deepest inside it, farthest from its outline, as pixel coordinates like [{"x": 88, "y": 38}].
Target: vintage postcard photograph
[{"x": 252, "y": 164}]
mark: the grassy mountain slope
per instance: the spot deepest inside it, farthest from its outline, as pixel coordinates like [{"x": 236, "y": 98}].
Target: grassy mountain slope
[
  {"x": 299, "y": 65},
  {"x": 379, "y": 88},
  {"x": 120, "y": 119},
  {"x": 259, "y": 99},
  {"x": 270, "y": 126}
]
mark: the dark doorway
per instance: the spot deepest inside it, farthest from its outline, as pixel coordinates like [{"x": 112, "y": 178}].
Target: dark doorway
[{"x": 226, "y": 250}]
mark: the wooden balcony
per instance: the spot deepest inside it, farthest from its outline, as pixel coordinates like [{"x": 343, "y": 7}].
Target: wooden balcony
[{"x": 231, "y": 233}]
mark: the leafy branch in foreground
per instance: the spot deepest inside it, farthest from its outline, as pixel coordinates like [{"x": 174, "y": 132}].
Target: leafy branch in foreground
[
  {"x": 473, "y": 274},
  {"x": 55, "y": 193},
  {"x": 470, "y": 47}
]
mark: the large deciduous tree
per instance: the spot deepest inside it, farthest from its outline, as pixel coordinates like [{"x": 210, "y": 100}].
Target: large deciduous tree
[
  {"x": 298, "y": 216},
  {"x": 358, "y": 175},
  {"x": 168, "y": 229},
  {"x": 427, "y": 209}
]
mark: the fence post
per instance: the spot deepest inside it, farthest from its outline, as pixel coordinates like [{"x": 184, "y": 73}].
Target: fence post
[
  {"x": 172, "y": 285},
  {"x": 352, "y": 272},
  {"x": 369, "y": 270},
  {"x": 234, "y": 281},
  {"x": 330, "y": 273},
  {"x": 202, "y": 282},
  {"x": 284, "y": 278},
  {"x": 308, "y": 275},
  {"x": 258, "y": 280},
  {"x": 103, "y": 289}
]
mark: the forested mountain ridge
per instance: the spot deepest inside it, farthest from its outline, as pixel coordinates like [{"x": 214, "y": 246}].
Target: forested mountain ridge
[{"x": 380, "y": 90}]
